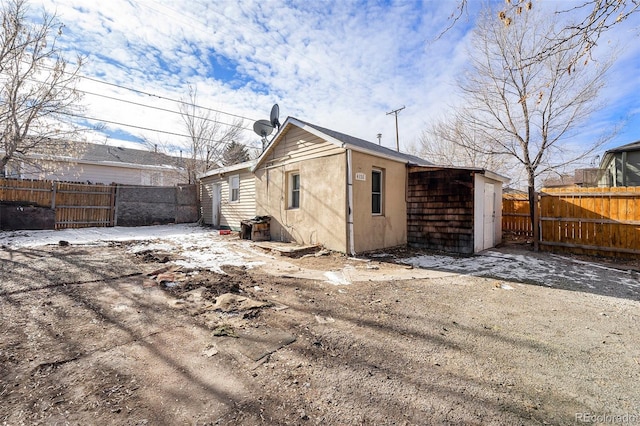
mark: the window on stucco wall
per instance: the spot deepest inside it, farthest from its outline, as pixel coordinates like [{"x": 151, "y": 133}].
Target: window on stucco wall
[
  {"x": 376, "y": 192},
  {"x": 294, "y": 190}
]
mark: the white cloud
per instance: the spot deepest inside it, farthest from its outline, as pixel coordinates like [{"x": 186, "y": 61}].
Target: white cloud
[{"x": 338, "y": 64}]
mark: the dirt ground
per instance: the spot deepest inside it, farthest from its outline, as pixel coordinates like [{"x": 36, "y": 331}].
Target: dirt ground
[{"x": 98, "y": 335}]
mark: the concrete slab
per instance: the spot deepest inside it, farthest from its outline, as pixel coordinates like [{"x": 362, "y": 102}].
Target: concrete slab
[{"x": 288, "y": 249}]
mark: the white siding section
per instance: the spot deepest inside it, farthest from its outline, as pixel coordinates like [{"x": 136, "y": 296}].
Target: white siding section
[
  {"x": 231, "y": 212},
  {"x": 107, "y": 174}
]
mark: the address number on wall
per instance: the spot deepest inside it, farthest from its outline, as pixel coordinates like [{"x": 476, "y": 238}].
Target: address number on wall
[{"x": 361, "y": 176}]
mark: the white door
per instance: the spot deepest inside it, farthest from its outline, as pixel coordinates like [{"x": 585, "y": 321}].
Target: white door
[
  {"x": 215, "y": 205},
  {"x": 489, "y": 220}
]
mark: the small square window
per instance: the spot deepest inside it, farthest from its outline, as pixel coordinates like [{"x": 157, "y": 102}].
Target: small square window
[
  {"x": 294, "y": 190},
  {"x": 376, "y": 192},
  {"x": 234, "y": 188}
]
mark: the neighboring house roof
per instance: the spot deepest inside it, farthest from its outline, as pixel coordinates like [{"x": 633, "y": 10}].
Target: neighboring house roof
[
  {"x": 341, "y": 140},
  {"x": 113, "y": 155},
  {"x": 560, "y": 180},
  {"x": 228, "y": 169},
  {"x": 608, "y": 155},
  {"x": 514, "y": 194},
  {"x": 634, "y": 146}
]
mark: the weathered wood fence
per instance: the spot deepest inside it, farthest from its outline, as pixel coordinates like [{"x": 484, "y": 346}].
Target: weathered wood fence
[
  {"x": 515, "y": 216},
  {"x": 597, "y": 221},
  {"x": 75, "y": 205}
]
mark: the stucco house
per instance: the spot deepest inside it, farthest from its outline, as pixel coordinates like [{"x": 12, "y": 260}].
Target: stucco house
[
  {"x": 621, "y": 166},
  {"x": 323, "y": 187},
  {"x": 228, "y": 195},
  {"x": 97, "y": 163},
  {"x": 319, "y": 186}
]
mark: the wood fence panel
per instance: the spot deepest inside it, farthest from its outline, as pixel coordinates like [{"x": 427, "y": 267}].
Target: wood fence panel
[
  {"x": 515, "y": 216},
  {"x": 34, "y": 192},
  {"x": 600, "y": 221},
  {"x": 84, "y": 205}
]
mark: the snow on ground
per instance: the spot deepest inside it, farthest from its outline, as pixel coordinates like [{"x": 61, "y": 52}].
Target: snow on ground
[
  {"x": 196, "y": 246},
  {"x": 200, "y": 247},
  {"x": 548, "y": 270},
  {"x": 17, "y": 239}
]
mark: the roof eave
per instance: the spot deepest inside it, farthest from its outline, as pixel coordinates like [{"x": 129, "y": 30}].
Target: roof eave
[{"x": 227, "y": 169}]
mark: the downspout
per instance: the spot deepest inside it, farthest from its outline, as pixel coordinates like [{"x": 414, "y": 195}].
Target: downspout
[{"x": 350, "y": 238}]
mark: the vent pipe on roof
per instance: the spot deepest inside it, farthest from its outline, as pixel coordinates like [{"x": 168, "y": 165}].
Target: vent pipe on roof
[{"x": 379, "y": 138}]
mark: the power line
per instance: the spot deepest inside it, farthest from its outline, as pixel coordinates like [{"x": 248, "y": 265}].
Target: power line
[
  {"x": 141, "y": 92},
  {"x": 166, "y": 132},
  {"x": 155, "y": 107},
  {"x": 145, "y": 106}
]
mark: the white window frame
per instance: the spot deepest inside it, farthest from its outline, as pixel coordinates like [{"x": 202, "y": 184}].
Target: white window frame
[
  {"x": 380, "y": 193},
  {"x": 291, "y": 196},
  {"x": 234, "y": 188}
]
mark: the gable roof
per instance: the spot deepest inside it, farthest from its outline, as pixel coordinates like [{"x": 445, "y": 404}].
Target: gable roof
[
  {"x": 228, "y": 169},
  {"x": 97, "y": 153},
  {"x": 608, "y": 156},
  {"x": 342, "y": 140},
  {"x": 634, "y": 146}
]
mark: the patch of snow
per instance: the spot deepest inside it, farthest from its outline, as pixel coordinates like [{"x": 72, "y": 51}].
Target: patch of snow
[
  {"x": 17, "y": 239},
  {"x": 548, "y": 271},
  {"x": 197, "y": 247},
  {"x": 336, "y": 278}
]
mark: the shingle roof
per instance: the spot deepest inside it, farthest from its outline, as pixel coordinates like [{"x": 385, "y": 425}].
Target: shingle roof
[
  {"x": 634, "y": 146},
  {"x": 107, "y": 153},
  {"x": 369, "y": 146}
]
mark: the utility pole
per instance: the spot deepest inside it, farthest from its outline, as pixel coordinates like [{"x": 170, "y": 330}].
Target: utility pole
[{"x": 395, "y": 112}]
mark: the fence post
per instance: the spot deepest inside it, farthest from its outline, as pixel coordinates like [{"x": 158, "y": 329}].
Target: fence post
[
  {"x": 536, "y": 222},
  {"x": 115, "y": 204},
  {"x": 53, "y": 195},
  {"x": 112, "y": 212}
]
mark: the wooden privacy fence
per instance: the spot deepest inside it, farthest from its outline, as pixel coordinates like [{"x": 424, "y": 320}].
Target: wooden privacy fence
[
  {"x": 603, "y": 221},
  {"x": 597, "y": 221},
  {"x": 515, "y": 216},
  {"x": 76, "y": 205}
]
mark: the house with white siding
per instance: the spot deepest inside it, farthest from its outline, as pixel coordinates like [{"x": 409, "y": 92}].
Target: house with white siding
[
  {"x": 228, "y": 195},
  {"x": 99, "y": 163}
]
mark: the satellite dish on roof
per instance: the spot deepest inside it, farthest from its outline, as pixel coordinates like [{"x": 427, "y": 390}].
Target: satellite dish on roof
[
  {"x": 263, "y": 128},
  {"x": 275, "y": 115}
]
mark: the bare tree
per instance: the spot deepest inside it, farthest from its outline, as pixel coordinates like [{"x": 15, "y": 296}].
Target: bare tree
[
  {"x": 208, "y": 136},
  {"x": 587, "y": 22},
  {"x": 524, "y": 108},
  {"x": 451, "y": 143},
  {"x": 37, "y": 87}
]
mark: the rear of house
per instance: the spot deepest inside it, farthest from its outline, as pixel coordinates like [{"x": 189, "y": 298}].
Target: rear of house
[
  {"x": 324, "y": 187},
  {"x": 228, "y": 196}
]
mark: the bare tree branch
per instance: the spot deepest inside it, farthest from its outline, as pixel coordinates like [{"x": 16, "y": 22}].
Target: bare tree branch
[
  {"x": 208, "y": 136},
  {"x": 37, "y": 88},
  {"x": 522, "y": 104}
]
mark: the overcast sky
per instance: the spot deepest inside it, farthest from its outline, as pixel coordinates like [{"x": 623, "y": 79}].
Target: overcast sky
[{"x": 340, "y": 64}]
